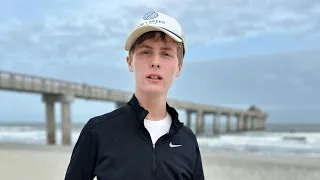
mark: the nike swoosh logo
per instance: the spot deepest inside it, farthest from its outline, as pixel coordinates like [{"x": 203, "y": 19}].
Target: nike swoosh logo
[{"x": 174, "y": 145}]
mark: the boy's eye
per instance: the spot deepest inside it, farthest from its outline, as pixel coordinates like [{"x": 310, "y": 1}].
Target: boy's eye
[{"x": 166, "y": 54}]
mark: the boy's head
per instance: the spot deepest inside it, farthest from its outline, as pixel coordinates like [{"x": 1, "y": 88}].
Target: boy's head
[
  {"x": 156, "y": 21},
  {"x": 156, "y": 51},
  {"x": 157, "y": 35}
]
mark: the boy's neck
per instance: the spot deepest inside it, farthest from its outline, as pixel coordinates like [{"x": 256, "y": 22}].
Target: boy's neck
[{"x": 154, "y": 103}]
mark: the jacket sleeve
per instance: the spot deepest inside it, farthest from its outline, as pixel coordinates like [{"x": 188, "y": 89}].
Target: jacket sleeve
[
  {"x": 198, "y": 173},
  {"x": 83, "y": 157}
]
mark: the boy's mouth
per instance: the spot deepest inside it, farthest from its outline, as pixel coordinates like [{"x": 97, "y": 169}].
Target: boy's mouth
[{"x": 154, "y": 76}]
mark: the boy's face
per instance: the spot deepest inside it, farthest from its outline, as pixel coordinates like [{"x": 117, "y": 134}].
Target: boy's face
[{"x": 158, "y": 58}]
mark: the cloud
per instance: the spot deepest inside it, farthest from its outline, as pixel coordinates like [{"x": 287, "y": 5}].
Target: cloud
[
  {"x": 218, "y": 21},
  {"x": 83, "y": 32},
  {"x": 284, "y": 79},
  {"x": 269, "y": 76}
]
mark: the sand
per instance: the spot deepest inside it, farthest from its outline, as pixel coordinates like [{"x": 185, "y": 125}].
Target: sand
[{"x": 36, "y": 162}]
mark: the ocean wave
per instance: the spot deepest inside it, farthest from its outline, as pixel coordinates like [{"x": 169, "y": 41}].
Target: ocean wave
[
  {"x": 31, "y": 135},
  {"x": 264, "y": 142},
  {"x": 253, "y": 142}
]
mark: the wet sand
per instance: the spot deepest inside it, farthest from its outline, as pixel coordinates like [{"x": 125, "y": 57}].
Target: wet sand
[{"x": 36, "y": 162}]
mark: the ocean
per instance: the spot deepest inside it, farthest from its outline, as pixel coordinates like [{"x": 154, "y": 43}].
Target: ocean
[{"x": 284, "y": 139}]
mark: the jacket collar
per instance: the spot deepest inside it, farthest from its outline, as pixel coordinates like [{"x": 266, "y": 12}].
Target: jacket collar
[{"x": 139, "y": 113}]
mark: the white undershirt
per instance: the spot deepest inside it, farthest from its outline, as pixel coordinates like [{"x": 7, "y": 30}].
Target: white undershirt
[{"x": 158, "y": 128}]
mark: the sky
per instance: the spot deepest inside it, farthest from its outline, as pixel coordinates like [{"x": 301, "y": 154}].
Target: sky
[{"x": 239, "y": 53}]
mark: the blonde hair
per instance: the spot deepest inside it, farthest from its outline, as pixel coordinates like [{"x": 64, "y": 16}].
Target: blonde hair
[{"x": 152, "y": 35}]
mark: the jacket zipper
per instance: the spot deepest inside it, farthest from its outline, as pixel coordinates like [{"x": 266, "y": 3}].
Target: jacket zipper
[
  {"x": 153, "y": 145},
  {"x": 154, "y": 157}
]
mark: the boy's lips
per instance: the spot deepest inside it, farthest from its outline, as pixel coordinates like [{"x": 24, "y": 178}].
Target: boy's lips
[{"x": 154, "y": 76}]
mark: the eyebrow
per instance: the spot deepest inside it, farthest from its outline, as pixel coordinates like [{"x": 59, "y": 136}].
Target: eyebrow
[
  {"x": 145, "y": 46},
  {"x": 167, "y": 48},
  {"x": 149, "y": 47}
]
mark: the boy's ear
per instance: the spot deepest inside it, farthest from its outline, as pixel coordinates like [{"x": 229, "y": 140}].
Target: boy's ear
[
  {"x": 129, "y": 62},
  {"x": 179, "y": 70}
]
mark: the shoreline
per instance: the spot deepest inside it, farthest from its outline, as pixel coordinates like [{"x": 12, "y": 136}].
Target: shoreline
[{"x": 61, "y": 148}]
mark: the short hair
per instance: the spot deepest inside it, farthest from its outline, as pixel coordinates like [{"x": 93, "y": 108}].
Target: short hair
[{"x": 152, "y": 35}]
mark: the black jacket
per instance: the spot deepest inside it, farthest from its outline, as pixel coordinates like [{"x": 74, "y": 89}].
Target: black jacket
[{"x": 117, "y": 146}]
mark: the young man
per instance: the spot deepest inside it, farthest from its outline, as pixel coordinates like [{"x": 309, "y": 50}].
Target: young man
[{"x": 144, "y": 139}]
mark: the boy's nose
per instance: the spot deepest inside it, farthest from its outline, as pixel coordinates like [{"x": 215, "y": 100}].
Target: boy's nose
[{"x": 155, "y": 62}]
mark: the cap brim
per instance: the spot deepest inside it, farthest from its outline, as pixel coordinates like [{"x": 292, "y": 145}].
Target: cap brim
[{"x": 135, "y": 34}]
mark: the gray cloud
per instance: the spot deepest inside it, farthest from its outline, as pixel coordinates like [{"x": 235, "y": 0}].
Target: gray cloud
[
  {"x": 217, "y": 21},
  {"x": 279, "y": 79},
  {"x": 95, "y": 32}
]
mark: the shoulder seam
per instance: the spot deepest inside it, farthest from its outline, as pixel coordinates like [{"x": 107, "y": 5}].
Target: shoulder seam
[{"x": 120, "y": 111}]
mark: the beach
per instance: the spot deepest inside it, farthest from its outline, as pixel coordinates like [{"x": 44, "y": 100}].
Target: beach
[{"x": 43, "y": 162}]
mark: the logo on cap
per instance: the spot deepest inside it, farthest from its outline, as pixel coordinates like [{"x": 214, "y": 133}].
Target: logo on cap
[{"x": 150, "y": 15}]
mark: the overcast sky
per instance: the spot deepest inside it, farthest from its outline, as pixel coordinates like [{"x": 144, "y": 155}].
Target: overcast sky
[{"x": 239, "y": 52}]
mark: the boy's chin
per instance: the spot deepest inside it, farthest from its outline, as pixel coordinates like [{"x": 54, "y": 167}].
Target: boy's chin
[{"x": 154, "y": 90}]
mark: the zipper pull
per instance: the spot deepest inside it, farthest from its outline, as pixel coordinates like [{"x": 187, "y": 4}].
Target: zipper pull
[{"x": 153, "y": 156}]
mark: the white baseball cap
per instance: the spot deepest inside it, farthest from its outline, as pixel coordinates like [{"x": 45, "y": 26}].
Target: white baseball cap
[{"x": 156, "y": 21}]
